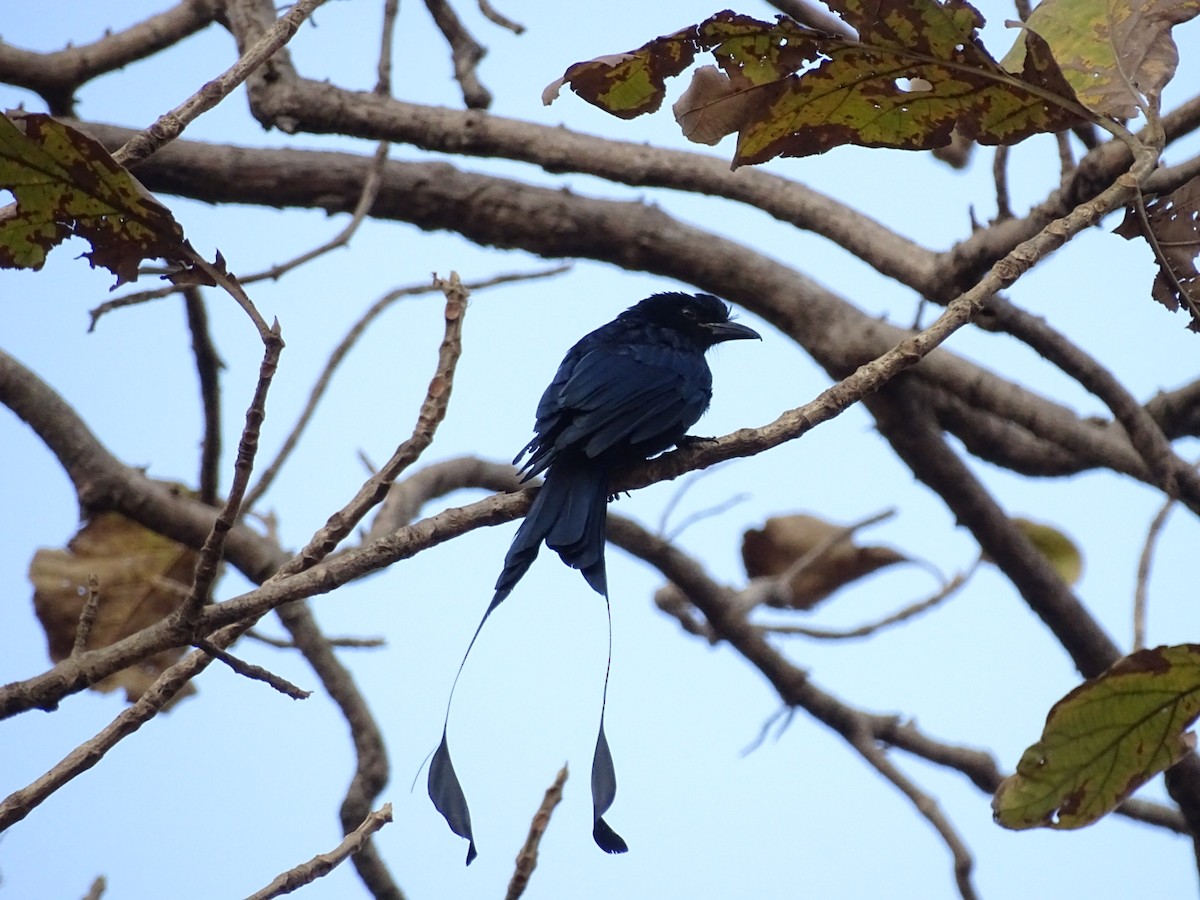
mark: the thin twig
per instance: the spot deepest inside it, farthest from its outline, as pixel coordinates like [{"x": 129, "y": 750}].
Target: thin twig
[
  {"x": 784, "y": 716},
  {"x": 387, "y": 38},
  {"x": 492, "y": 15},
  {"x": 764, "y": 590},
  {"x": 210, "y": 553},
  {"x": 1141, "y": 593},
  {"x": 324, "y": 863},
  {"x": 87, "y": 616},
  {"x": 366, "y": 199},
  {"x": 864, "y": 742},
  {"x": 96, "y": 891},
  {"x": 352, "y": 643},
  {"x": 339, "y": 354},
  {"x": 913, "y": 609},
  {"x": 1066, "y": 159},
  {"x": 251, "y": 671},
  {"x": 700, "y": 515},
  {"x": 528, "y": 855},
  {"x": 1000, "y": 177},
  {"x": 465, "y": 51},
  {"x": 170, "y": 125},
  {"x": 678, "y": 494},
  {"x": 208, "y": 366}
]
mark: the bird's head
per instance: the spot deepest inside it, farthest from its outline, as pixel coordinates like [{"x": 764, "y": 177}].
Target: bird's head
[{"x": 702, "y": 317}]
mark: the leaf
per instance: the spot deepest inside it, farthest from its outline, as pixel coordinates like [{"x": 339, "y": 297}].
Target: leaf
[
  {"x": 1174, "y": 222},
  {"x": 1058, "y": 549},
  {"x": 1104, "y": 740},
  {"x": 628, "y": 84},
  {"x": 65, "y": 183},
  {"x": 837, "y": 561},
  {"x": 1115, "y": 54},
  {"x": 711, "y": 107},
  {"x": 917, "y": 72},
  {"x": 142, "y": 576}
]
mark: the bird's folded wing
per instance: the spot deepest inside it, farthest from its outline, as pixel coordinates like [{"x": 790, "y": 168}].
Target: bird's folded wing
[{"x": 633, "y": 395}]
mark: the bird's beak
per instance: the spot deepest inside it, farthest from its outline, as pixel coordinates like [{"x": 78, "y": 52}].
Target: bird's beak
[{"x": 731, "y": 331}]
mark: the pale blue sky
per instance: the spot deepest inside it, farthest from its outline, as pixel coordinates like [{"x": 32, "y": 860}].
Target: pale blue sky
[{"x": 239, "y": 783}]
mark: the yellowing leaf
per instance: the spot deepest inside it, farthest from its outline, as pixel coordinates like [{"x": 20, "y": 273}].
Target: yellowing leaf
[
  {"x": 142, "y": 577},
  {"x": 65, "y": 183},
  {"x": 917, "y": 72},
  {"x": 1059, "y": 549},
  {"x": 1111, "y": 51},
  {"x": 1104, "y": 740},
  {"x": 777, "y": 548}
]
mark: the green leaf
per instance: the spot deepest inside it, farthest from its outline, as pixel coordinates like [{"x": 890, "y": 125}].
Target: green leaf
[
  {"x": 917, "y": 73},
  {"x": 1116, "y": 54},
  {"x": 1104, "y": 740},
  {"x": 65, "y": 183},
  {"x": 1058, "y": 549}
]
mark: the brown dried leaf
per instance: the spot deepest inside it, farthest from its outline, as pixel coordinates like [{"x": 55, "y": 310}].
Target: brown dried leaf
[
  {"x": 774, "y": 549},
  {"x": 1175, "y": 228},
  {"x": 712, "y": 106},
  {"x": 142, "y": 576}
]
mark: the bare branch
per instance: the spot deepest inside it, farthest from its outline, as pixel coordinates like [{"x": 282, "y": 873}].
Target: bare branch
[
  {"x": 253, "y": 672},
  {"x": 864, "y": 743},
  {"x": 87, "y": 616},
  {"x": 528, "y": 855},
  {"x": 208, "y": 366},
  {"x": 324, "y": 863},
  {"x": 96, "y": 891},
  {"x": 353, "y": 643},
  {"x": 170, "y": 125},
  {"x": 56, "y": 76},
  {"x": 207, "y": 566},
  {"x": 493, "y": 15},
  {"x": 465, "y": 51},
  {"x": 902, "y": 615},
  {"x": 1141, "y": 593},
  {"x": 342, "y": 350}
]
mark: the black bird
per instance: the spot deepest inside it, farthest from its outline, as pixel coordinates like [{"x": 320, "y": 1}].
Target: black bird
[{"x": 625, "y": 392}]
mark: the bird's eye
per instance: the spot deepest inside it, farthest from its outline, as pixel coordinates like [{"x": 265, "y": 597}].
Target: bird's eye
[{"x": 689, "y": 313}]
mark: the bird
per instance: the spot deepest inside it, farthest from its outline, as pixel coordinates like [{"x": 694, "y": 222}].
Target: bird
[{"x": 623, "y": 393}]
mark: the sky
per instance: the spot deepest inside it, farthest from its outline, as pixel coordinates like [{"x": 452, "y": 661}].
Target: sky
[{"x": 238, "y": 783}]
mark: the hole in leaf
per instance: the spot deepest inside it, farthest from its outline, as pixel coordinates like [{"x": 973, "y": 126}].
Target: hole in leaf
[{"x": 913, "y": 85}]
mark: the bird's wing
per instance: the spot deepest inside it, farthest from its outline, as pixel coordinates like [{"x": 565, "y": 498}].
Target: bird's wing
[{"x": 642, "y": 394}]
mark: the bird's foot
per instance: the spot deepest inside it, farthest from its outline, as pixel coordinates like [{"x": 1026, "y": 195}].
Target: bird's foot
[{"x": 690, "y": 440}]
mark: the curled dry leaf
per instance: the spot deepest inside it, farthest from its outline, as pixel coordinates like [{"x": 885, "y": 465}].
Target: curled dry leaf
[
  {"x": 777, "y": 548},
  {"x": 142, "y": 578},
  {"x": 712, "y": 106}
]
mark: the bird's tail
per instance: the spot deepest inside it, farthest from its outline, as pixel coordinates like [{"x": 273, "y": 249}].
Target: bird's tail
[{"x": 569, "y": 515}]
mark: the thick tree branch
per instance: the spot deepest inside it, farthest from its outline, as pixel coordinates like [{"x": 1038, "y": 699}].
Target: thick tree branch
[
  {"x": 56, "y": 76},
  {"x": 911, "y": 430},
  {"x": 505, "y": 213}
]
